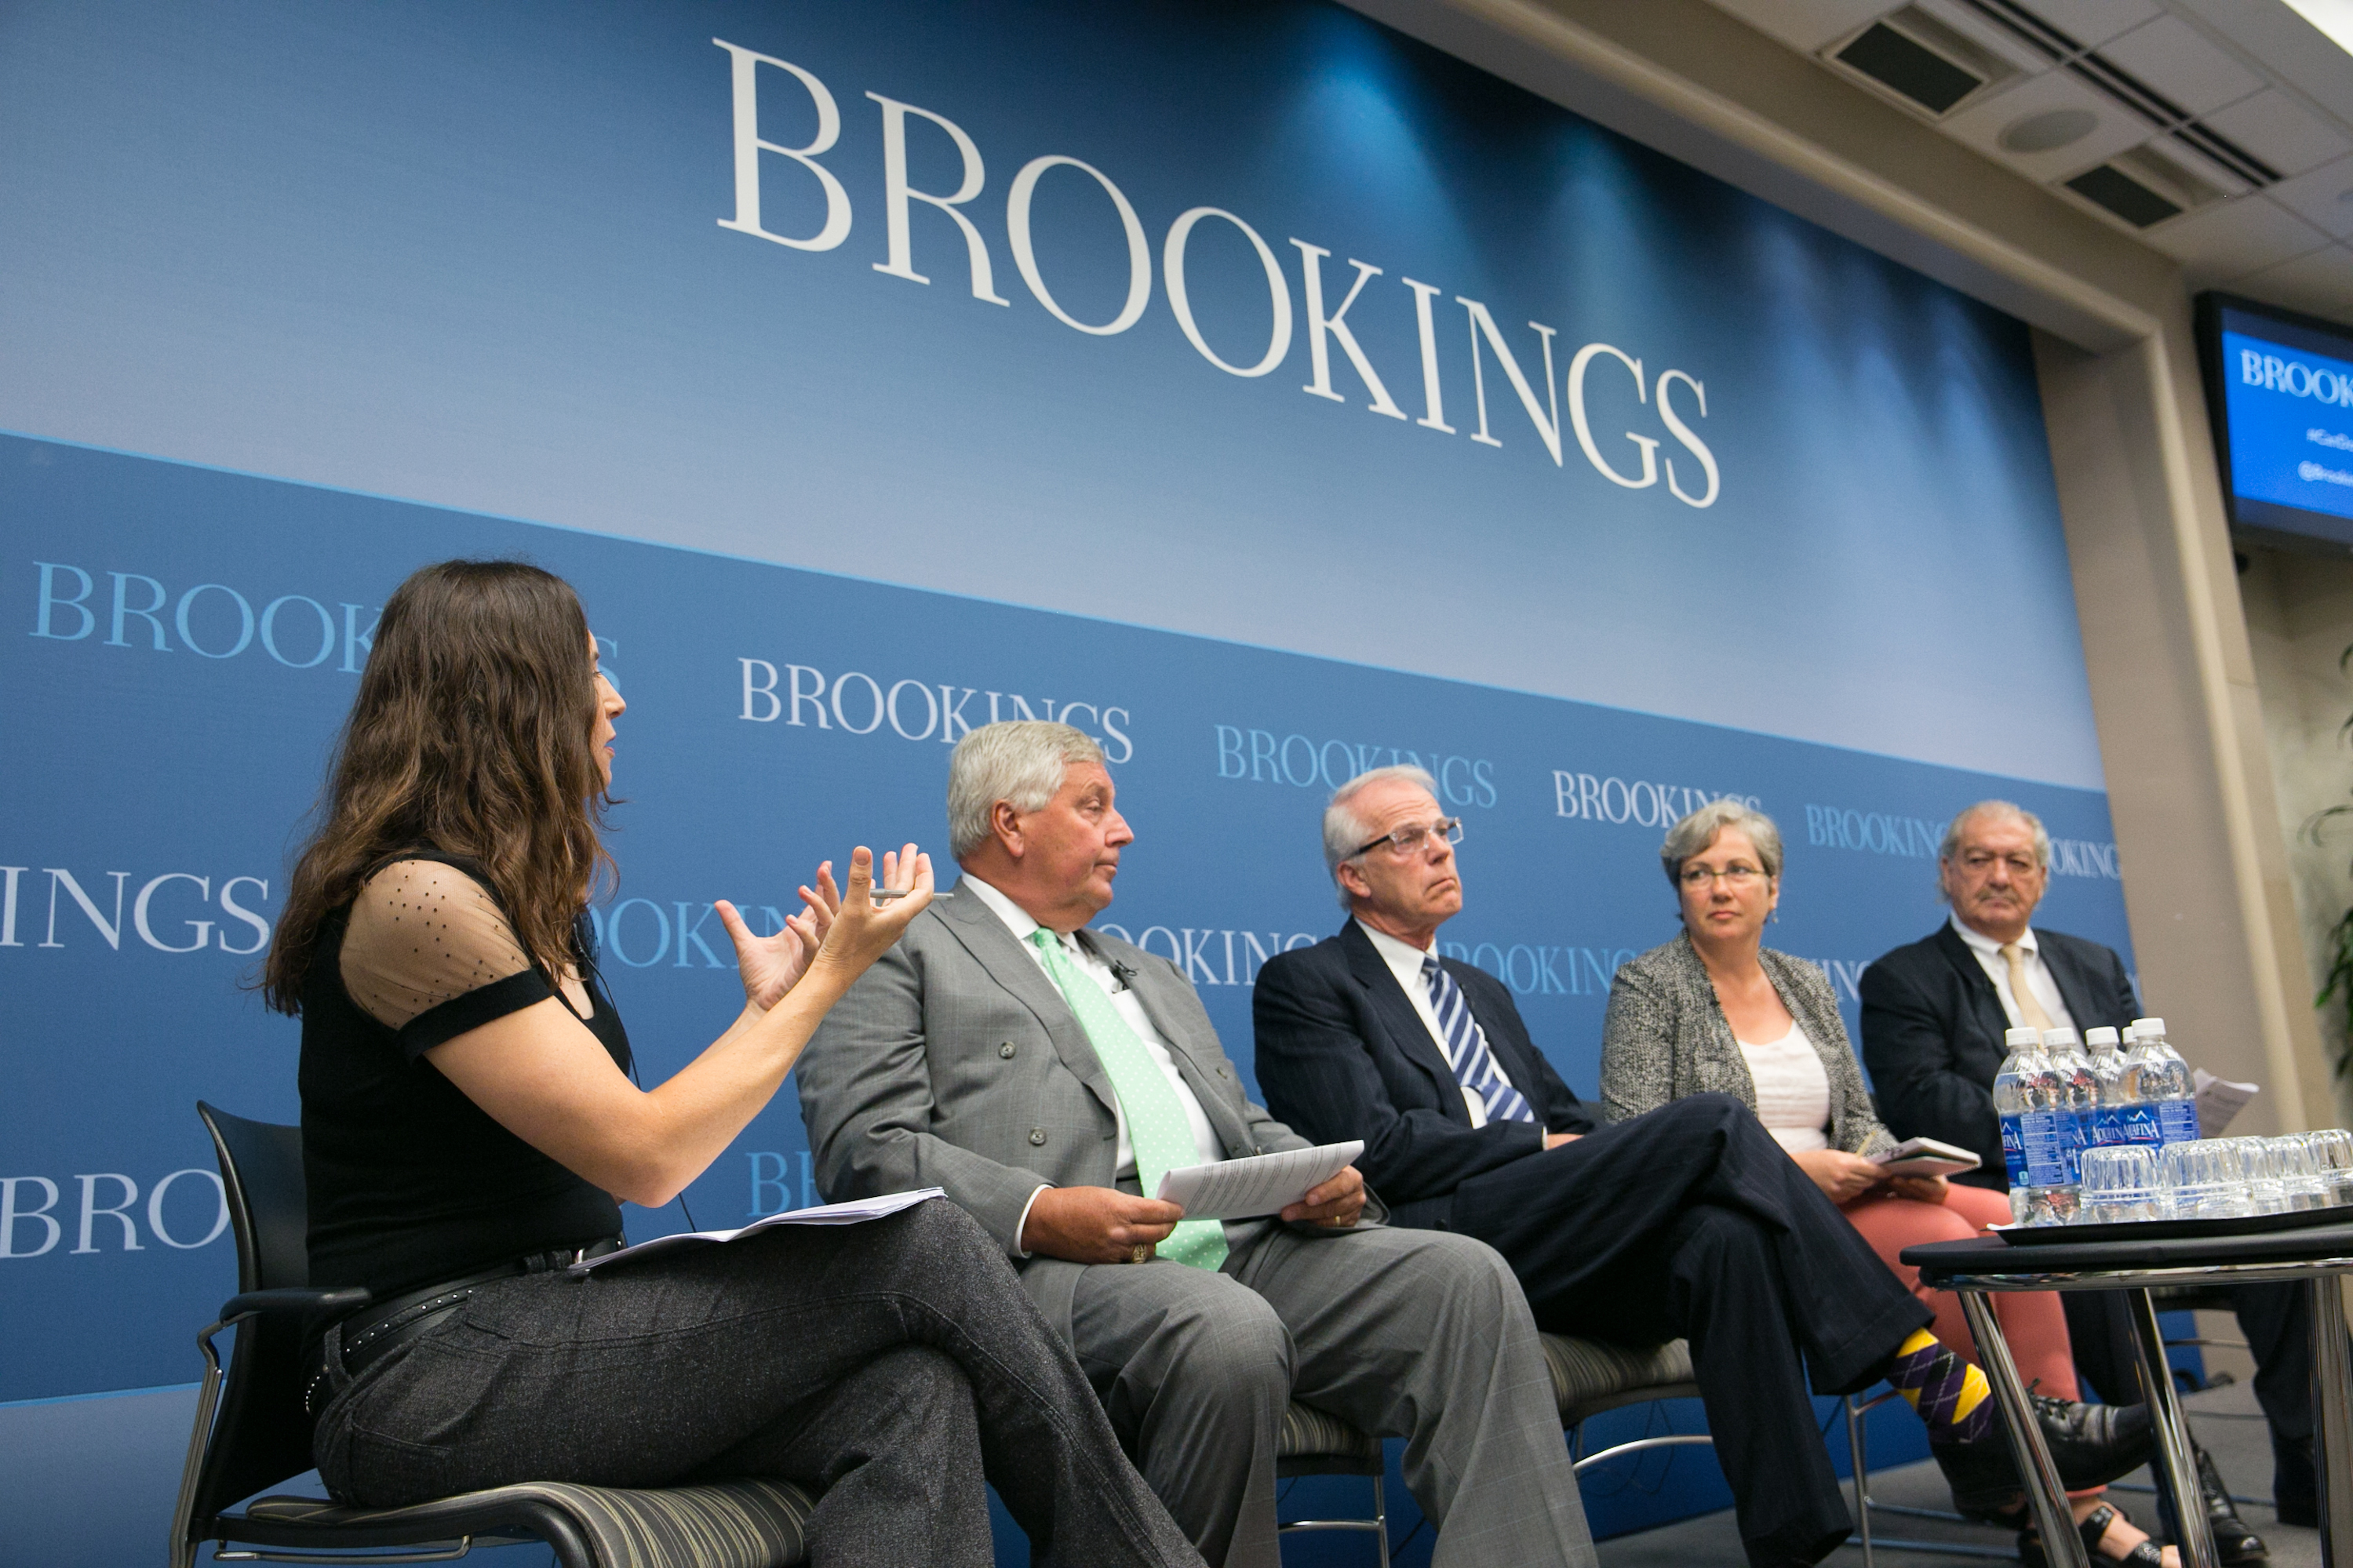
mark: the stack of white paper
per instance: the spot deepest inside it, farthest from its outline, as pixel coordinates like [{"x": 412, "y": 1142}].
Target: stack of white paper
[{"x": 852, "y": 1213}]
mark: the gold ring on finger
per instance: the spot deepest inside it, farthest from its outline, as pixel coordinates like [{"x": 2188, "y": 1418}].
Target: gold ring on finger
[{"x": 1140, "y": 1253}]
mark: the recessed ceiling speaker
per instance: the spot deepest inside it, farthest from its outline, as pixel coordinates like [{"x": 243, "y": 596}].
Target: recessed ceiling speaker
[{"x": 2048, "y": 131}]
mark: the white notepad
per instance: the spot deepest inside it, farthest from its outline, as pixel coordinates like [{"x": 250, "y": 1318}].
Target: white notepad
[
  {"x": 1261, "y": 1184},
  {"x": 1925, "y": 1157},
  {"x": 855, "y": 1212}
]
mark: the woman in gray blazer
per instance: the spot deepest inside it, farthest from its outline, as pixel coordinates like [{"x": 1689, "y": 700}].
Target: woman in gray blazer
[{"x": 1717, "y": 1010}]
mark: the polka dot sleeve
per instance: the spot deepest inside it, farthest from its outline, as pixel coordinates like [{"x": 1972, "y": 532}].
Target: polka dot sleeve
[{"x": 428, "y": 953}]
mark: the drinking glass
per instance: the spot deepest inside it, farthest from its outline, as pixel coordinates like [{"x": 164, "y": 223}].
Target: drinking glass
[
  {"x": 2120, "y": 1184},
  {"x": 2332, "y": 1156},
  {"x": 2300, "y": 1180},
  {"x": 2259, "y": 1168},
  {"x": 2207, "y": 1178}
]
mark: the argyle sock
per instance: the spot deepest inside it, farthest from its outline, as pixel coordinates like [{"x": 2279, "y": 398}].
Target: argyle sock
[{"x": 1952, "y": 1397}]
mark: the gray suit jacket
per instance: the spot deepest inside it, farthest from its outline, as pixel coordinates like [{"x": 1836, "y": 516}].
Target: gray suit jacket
[
  {"x": 955, "y": 1063},
  {"x": 1666, "y": 1036}
]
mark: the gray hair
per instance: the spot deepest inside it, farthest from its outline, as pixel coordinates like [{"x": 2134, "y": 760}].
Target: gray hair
[
  {"x": 2011, "y": 809},
  {"x": 1021, "y": 762},
  {"x": 1695, "y": 833},
  {"x": 1343, "y": 830}
]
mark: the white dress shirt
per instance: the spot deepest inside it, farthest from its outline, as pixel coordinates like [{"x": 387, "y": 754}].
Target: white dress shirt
[
  {"x": 1131, "y": 1011},
  {"x": 1405, "y": 962},
  {"x": 2038, "y": 974},
  {"x": 1793, "y": 1089}
]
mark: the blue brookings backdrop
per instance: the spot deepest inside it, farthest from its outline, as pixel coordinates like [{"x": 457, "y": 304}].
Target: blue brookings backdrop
[{"x": 1628, "y": 491}]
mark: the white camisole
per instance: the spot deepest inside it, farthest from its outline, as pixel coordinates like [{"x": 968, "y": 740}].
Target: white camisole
[{"x": 1793, "y": 1091}]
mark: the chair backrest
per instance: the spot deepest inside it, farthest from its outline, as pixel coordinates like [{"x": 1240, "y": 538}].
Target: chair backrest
[
  {"x": 261, "y": 1171},
  {"x": 261, "y": 1435}
]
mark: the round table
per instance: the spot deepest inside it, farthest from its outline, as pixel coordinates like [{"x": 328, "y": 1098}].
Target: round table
[{"x": 2315, "y": 1256}]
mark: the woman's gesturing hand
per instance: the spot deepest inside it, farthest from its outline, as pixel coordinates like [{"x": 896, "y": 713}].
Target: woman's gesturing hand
[
  {"x": 863, "y": 930},
  {"x": 771, "y": 965}
]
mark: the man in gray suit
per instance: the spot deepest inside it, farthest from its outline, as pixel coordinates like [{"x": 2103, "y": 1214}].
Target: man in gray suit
[{"x": 1046, "y": 1075}]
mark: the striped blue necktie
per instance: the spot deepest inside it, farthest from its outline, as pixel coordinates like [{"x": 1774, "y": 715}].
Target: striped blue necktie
[{"x": 1466, "y": 1048}]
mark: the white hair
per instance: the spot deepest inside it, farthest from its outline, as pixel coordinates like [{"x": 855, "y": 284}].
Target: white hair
[
  {"x": 1695, "y": 832},
  {"x": 1021, "y": 762},
  {"x": 2011, "y": 809},
  {"x": 1345, "y": 831}
]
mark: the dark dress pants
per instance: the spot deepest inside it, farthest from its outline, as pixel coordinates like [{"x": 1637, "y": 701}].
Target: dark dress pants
[
  {"x": 894, "y": 1363},
  {"x": 1691, "y": 1220},
  {"x": 2277, "y": 1322}
]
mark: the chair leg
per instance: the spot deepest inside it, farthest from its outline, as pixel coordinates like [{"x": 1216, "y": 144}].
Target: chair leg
[
  {"x": 1856, "y": 1451},
  {"x": 1381, "y": 1516},
  {"x": 182, "y": 1553}
]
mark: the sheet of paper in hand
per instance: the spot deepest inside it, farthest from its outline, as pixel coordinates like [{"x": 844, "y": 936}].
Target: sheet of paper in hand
[
  {"x": 2218, "y": 1101},
  {"x": 1925, "y": 1157},
  {"x": 1261, "y": 1184},
  {"x": 855, "y": 1212}
]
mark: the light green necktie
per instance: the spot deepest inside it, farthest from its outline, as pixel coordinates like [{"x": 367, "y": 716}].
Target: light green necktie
[{"x": 1156, "y": 1123}]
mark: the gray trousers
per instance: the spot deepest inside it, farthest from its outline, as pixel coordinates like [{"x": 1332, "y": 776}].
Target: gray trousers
[
  {"x": 895, "y": 1364},
  {"x": 1400, "y": 1332}
]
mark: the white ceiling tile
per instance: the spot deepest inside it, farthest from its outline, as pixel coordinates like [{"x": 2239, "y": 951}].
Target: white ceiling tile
[
  {"x": 2320, "y": 284},
  {"x": 2230, "y": 240},
  {"x": 1999, "y": 42},
  {"x": 2217, "y": 176},
  {"x": 1806, "y": 25},
  {"x": 2091, "y": 22},
  {"x": 2281, "y": 131},
  {"x": 2322, "y": 195},
  {"x": 2055, "y": 93},
  {"x": 2174, "y": 58}
]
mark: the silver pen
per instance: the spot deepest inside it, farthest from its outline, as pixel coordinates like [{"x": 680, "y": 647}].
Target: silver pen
[{"x": 885, "y": 895}]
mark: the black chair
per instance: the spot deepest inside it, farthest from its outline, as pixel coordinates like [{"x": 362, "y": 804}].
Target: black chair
[{"x": 261, "y": 1437}]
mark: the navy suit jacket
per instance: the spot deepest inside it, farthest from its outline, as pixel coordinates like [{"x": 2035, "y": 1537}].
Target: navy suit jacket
[
  {"x": 1343, "y": 1054},
  {"x": 1933, "y": 1027}
]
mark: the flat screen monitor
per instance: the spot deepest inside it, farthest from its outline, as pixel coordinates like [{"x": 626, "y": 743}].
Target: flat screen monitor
[{"x": 2279, "y": 387}]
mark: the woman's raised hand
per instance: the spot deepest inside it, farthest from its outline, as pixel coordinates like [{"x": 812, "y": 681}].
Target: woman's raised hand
[
  {"x": 863, "y": 930},
  {"x": 771, "y": 965}
]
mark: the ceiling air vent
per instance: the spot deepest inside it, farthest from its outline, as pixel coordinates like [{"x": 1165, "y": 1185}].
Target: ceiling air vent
[
  {"x": 2142, "y": 187},
  {"x": 2112, "y": 188},
  {"x": 1920, "y": 59}
]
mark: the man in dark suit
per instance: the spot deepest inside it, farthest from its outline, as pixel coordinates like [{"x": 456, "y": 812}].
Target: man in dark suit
[
  {"x": 1046, "y": 1075},
  {"x": 1934, "y": 1015},
  {"x": 1688, "y": 1222}
]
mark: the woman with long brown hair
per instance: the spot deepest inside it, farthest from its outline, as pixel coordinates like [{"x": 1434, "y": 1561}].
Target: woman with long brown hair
[{"x": 469, "y": 1121}]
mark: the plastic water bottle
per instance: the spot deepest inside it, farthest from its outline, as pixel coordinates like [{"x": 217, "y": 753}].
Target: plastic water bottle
[
  {"x": 2164, "y": 1082},
  {"x": 2075, "y": 1097},
  {"x": 2108, "y": 1074},
  {"x": 2137, "y": 1116},
  {"x": 2032, "y": 1146}
]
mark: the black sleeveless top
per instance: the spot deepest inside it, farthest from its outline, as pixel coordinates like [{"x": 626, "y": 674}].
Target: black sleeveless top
[{"x": 410, "y": 1183}]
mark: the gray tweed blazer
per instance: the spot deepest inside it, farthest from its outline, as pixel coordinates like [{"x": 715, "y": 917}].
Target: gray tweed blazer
[{"x": 1666, "y": 1036}]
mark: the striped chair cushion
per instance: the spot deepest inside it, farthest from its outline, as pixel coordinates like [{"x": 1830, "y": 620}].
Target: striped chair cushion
[
  {"x": 1585, "y": 1372},
  {"x": 736, "y": 1524},
  {"x": 1309, "y": 1434}
]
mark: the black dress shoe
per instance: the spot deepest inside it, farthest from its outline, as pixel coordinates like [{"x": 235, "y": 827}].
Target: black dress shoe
[
  {"x": 2235, "y": 1543},
  {"x": 2092, "y": 1445}
]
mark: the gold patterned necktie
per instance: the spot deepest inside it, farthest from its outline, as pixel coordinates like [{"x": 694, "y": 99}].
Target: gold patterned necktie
[{"x": 2030, "y": 1007}]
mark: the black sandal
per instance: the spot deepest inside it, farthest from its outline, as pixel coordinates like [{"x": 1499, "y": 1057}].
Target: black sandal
[{"x": 2094, "y": 1528}]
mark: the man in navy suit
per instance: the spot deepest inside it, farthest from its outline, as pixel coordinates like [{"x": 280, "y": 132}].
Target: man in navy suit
[
  {"x": 1934, "y": 1015},
  {"x": 1689, "y": 1221}
]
